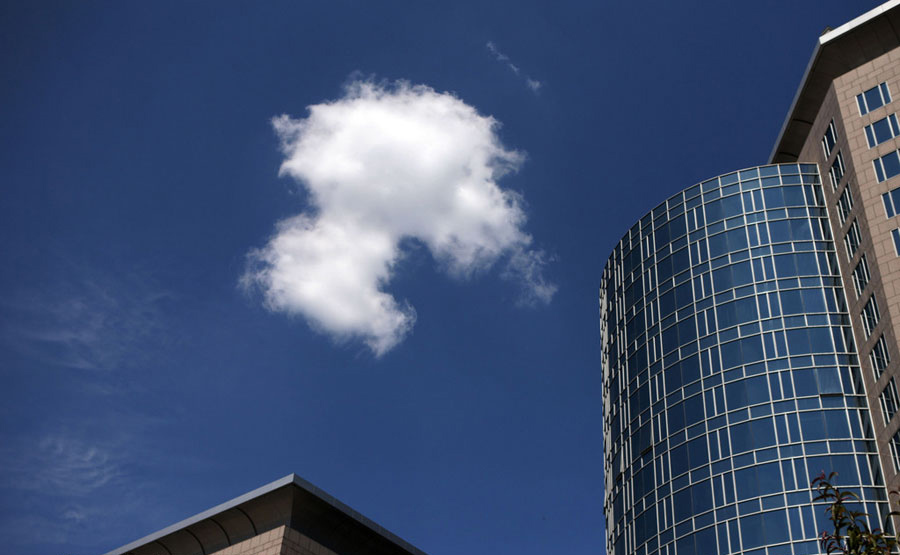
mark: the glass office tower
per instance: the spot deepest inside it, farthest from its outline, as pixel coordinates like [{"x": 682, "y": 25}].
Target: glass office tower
[{"x": 730, "y": 373}]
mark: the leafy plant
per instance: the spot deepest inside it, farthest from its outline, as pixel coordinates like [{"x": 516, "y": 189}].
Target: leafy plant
[{"x": 851, "y": 535}]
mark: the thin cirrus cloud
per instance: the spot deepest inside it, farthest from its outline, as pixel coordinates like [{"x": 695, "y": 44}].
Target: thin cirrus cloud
[
  {"x": 73, "y": 481},
  {"x": 381, "y": 165},
  {"x": 532, "y": 84},
  {"x": 89, "y": 321}
]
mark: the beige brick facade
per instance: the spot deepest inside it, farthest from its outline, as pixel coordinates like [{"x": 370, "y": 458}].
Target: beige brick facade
[
  {"x": 279, "y": 541},
  {"x": 877, "y": 244}
]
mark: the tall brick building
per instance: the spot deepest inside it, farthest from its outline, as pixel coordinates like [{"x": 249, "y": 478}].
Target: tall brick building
[
  {"x": 844, "y": 118},
  {"x": 750, "y": 326}
]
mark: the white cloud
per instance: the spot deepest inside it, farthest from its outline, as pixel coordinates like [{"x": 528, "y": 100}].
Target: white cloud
[
  {"x": 383, "y": 164},
  {"x": 533, "y": 84}
]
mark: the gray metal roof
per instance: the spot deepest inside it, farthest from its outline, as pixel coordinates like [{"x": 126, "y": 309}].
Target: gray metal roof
[
  {"x": 267, "y": 493},
  {"x": 836, "y": 52}
]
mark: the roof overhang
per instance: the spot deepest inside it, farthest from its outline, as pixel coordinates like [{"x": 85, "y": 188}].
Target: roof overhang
[
  {"x": 838, "y": 51},
  {"x": 289, "y": 501}
]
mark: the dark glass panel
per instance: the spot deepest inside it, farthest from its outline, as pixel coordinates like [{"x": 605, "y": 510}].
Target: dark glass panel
[
  {"x": 687, "y": 331},
  {"x": 798, "y": 341},
  {"x": 791, "y": 302},
  {"x": 776, "y": 526},
  {"x": 813, "y": 300},
  {"x": 882, "y": 130},
  {"x": 836, "y": 424},
  {"x": 673, "y": 378},
  {"x": 727, "y": 242},
  {"x": 639, "y": 401},
  {"x": 693, "y": 410},
  {"x": 774, "y": 198},
  {"x": 706, "y": 541},
  {"x": 731, "y": 354},
  {"x": 677, "y": 227},
  {"x": 829, "y": 381},
  {"x": 741, "y": 437},
  {"x": 805, "y": 381},
  {"x": 793, "y": 196},
  {"x": 684, "y": 295},
  {"x": 800, "y": 230},
  {"x": 813, "y": 425},
  {"x": 682, "y": 504},
  {"x": 676, "y": 418},
  {"x": 763, "y": 431},
  {"x": 891, "y": 165},
  {"x": 895, "y": 196},
  {"x": 752, "y": 532},
  {"x": 780, "y": 231},
  {"x": 701, "y": 497},
  {"x": 679, "y": 460},
  {"x": 670, "y": 339},
  {"x": 820, "y": 341},
  {"x": 690, "y": 369},
  {"x": 697, "y": 452},
  {"x": 661, "y": 235},
  {"x": 641, "y": 440},
  {"x": 873, "y": 98},
  {"x": 752, "y": 349},
  {"x": 686, "y": 545},
  {"x": 746, "y": 392}
]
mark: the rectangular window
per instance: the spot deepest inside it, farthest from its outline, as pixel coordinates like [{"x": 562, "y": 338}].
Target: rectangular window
[
  {"x": 895, "y": 450},
  {"x": 891, "y": 201},
  {"x": 889, "y": 401},
  {"x": 852, "y": 239},
  {"x": 872, "y": 99},
  {"x": 829, "y": 139},
  {"x": 880, "y": 357},
  {"x": 861, "y": 275},
  {"x": 895, "y": 233},
  {"x": 887, "y": 166},
  {"x": 882, "y": 130},
  {"x": 870, "y": 315},
  {"x": 837, "y": 170},
  {"x": 845, "y": 204}
]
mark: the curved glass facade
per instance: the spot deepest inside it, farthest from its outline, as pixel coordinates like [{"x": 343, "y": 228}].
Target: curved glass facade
[{"x": 730, "y": 377}]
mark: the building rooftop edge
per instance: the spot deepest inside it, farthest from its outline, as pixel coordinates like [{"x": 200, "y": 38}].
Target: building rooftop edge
[
  {"x": 699, "y": 183},
  {"x": 824, "y": 39},
  {"x": 290, "y": 479}
]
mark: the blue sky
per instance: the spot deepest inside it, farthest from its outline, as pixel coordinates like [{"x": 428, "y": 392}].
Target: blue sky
[{"x": 159, "y": 356}]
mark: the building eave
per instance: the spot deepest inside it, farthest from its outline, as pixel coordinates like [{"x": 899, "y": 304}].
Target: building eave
[
  {"x": 257, "y": 494},
  {"x": 836, "y": 52}
]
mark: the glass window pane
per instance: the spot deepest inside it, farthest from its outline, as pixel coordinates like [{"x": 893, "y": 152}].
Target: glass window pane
[
  {"x": 882, "y": 130},
  {"x": 891, "y": 164},
  {"x": 873, "y": 98}
]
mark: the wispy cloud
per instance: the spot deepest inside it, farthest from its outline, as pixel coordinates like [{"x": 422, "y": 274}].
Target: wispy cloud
[
  {"x": 89, "y": 321},
  {"x": 72, "y": 469},
  {"x": 383, "y": 164},
  {"x": 68, "y": 484},
  {"x": 63, "y": 464},
  {"x": 533, "y": 84}
]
